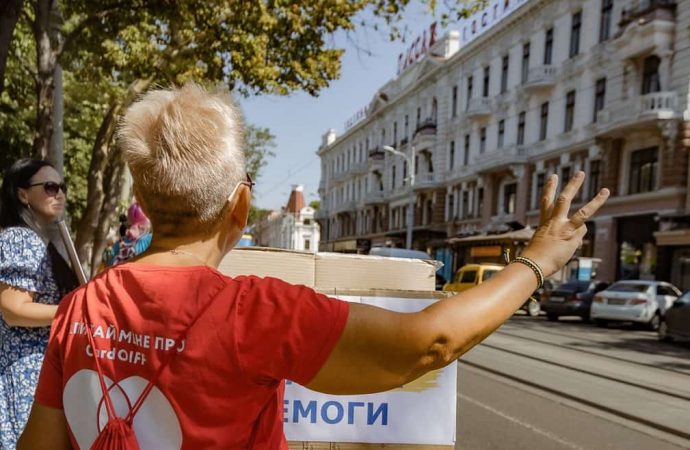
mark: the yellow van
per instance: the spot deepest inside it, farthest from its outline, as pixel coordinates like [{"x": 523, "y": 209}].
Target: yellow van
[{"x": 471, "y": 275}]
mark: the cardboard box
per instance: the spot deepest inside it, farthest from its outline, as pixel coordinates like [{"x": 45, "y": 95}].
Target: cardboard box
[
  {"x": 341, "y": 275},
  {"x": 332, "y": 270}
]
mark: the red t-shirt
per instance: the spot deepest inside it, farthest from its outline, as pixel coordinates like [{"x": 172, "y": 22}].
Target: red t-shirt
[{"x": 223, "y": 388}]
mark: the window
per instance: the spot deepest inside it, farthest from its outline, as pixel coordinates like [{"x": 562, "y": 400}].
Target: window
[
  {"x": 666, "y": 290},
  {"x": 307, "y": 244},
  {"x": 480, "y": 200},
  {"x": 650, "y": 75},
  {"x": 569, "y": 111},
  {"x": 488, "y": 274},
  {"x": 521, "y": 129},
  {"x": 307, "y": 221},
  {"x": 509, "y": 198},
  {"x": 605, "y": 24},
  {"x": 575, "y": 33},
  {"x": 525, "y": 62},
  {"x": 404, "y": 172},
  {"x": 594, "y": 175},
  {"x": 393, "y": 177},
  {"x": 407, "y": 127},
  {"x": 482, "y": 140},
  {"x": 543, "y": 126},
  {"x": 469, "y": 91},
  {"x": 454, "y": 105},
  {"x": 468, "y": 276},
  {"x": 395, "y": 134},
  {"x": 466, "y": 156},
  {"x": 541, "y": 179},
  {"x": 565, "y": 175},
  {"x": 419, "y": 117},
  {"x": 643, "y": 169},
  {"x": 487, "y": 78},
  {"x": 504, "y": 73},
  {"x": 548, "y": 47},
  {"x": 451, "y": 155},
  {"x": 465, "y": 204},
  {"x": 599, "y": 97},
  {"x": 501, "y": 132},
  {"x": 416, "y": 164},
  {"x": 383, "y": 136}
]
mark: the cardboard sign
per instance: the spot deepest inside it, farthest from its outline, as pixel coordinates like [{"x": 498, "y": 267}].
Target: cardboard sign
[{"x": 422, "y": 412}]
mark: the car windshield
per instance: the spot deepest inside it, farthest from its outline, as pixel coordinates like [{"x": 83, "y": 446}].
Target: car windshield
[
  {"x": 574, "y": 286},
  {"x": 629, "y": 287}
]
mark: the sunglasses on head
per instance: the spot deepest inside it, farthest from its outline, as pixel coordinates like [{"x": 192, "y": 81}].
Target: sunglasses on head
[
  {"x": 52, "y": 188},
  {"x": 248, "y": 182}
]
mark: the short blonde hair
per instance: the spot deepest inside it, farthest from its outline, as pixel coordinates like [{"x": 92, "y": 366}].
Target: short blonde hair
[{"x": 185, "y": 149}]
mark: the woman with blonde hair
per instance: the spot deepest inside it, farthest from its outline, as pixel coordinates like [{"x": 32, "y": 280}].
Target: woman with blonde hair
[{"x": 174, "y": 354}]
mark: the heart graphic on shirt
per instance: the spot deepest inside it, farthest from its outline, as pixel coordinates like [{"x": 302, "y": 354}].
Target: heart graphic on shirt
[{"x": 156, "y": 425}]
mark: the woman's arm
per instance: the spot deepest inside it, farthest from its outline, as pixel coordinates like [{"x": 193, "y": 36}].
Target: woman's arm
[
  {"x": 381, "y": 350},
  {"x": 46, "y": 429},
  {"x": 18, "y": 308}
]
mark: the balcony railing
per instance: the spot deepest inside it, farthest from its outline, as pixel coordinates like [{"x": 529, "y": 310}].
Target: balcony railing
[
  {"x": 426, "y": 127},
  {"x": 648, "y": 10},
  {"x": 350, "y": 205},
  {"x": 374, "y": 197},
  {"x": 657, "y": 105},
  {"x": 424, "y": 180},
  {"x": 479, "y": 108},
  {"x": 542, "y": 77},
  {"x": 501, "y": 157},
  {"x": 376, "y": 154}
]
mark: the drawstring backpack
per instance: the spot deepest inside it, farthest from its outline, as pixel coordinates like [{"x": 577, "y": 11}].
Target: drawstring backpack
[{"x": 118, "y": 434}]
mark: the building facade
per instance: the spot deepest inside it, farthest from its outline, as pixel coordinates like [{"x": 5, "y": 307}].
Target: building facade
[
  {"x": 293, "y": 228},
  {"x": 553, "y": 86}
]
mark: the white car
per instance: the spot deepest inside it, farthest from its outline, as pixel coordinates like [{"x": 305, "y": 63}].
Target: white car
[{"x": 637, "y": 301}]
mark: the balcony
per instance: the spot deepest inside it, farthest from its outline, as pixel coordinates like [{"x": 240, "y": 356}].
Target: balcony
[
  {"x": 479, "y": 108},
  {"x": 377, "y": 154},
  {"x": 542, "y": 77},
  {"x": 350, "y": 205},
  {"x": 647, "y": 11},
  {"x": 426, "y": 127},
  {"x": 649, "y": 27},
  {"x": 501, "y": 158},
  {"x": 645, "y": 108},
  {"x": 374, "y": 197},
  {"x": 425, "y": 180}
]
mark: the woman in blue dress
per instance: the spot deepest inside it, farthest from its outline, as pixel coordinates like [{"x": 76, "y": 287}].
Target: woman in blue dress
[{"x": 34, "y": 275}]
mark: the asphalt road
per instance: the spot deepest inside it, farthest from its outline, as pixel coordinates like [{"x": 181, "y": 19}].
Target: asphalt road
[{"x": 567, "y": 385}]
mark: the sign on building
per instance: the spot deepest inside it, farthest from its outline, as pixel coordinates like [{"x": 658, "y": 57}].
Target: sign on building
[{"x": 482, "y": 21}]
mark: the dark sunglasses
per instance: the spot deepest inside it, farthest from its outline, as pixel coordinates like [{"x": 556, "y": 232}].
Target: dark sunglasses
[{"x": 52, "y": 188}]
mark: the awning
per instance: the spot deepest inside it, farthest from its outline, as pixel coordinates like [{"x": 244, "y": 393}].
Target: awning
[
  {"x": 523, "y": 235},
  {"x": 674, "y": 237}
]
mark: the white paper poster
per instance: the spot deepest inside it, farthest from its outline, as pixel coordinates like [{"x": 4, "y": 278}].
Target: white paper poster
[{"x": 421, "y": 412}]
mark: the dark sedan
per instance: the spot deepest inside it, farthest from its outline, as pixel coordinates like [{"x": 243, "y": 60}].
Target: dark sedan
[
  {"x": 573, "y": 298},
  {"x": 676, "y": 321}
]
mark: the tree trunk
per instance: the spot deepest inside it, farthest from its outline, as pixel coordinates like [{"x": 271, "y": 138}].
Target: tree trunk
[
  {"x": 46, "y": 58},
  {"x": 9, "y": 15},
  {"x": 97, "y": 188},
  {"x": 114, "y": 182}
]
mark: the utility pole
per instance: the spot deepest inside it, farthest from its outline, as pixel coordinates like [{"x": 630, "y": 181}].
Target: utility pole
[{"x": 410, "y": 207}]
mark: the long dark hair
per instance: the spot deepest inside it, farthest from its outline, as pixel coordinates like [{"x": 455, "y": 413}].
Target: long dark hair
[{"x": 13, "y": 213}]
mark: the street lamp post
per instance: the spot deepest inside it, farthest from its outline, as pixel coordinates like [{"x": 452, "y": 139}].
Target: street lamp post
[{"x": 410, "y": 208}]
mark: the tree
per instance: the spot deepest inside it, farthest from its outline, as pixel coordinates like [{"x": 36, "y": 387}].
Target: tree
[{"x": 315, "y": 204}]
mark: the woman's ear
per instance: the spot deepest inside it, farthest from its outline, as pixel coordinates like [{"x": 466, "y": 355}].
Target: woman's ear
[
  {"x": 240, "y": 211},
  {"x": 23, "y": 196}
]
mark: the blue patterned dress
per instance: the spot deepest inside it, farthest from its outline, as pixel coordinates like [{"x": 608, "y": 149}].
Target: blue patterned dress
[{"x": 25, "y": 264}]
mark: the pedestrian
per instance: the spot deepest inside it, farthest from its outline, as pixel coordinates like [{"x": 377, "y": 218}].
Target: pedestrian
[
  {"x": 34, "y": 276},
  {"x": 135, "y": 238},
  {"x": 167, "y": 351}
]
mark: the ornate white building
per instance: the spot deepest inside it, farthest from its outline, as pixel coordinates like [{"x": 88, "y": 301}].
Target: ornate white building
[
  {"x": 294, "y": 227},
  {"x": 524, "y": 89}
]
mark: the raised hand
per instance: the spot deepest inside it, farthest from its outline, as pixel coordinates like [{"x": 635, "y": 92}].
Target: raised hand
[{"x": 559, "y": 236}]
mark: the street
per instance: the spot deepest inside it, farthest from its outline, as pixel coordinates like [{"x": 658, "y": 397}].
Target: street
[{"x": 568, "y": 385}]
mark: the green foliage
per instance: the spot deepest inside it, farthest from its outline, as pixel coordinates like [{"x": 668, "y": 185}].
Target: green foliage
[{"x": 316, "y": 204}]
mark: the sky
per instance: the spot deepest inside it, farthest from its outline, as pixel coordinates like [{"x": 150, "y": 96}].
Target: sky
[{"x": 300, "y": 120}]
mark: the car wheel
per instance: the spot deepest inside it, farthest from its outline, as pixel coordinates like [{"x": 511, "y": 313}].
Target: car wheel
[
  {"x": 552, "y": 317},
  {"x": 662, "y": 332},
  {"x": 601, "y": 323},
  {"x": 533, "y": 308},
  {"x": 654, "y": 322}
]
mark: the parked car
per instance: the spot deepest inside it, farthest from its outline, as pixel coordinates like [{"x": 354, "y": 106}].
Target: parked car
[
  {"x": 573, "y": 298},
  {"x": 638, "y": 301},
  {"x": 676, "y": 323},
  {"x": 471, "y": 275}
]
